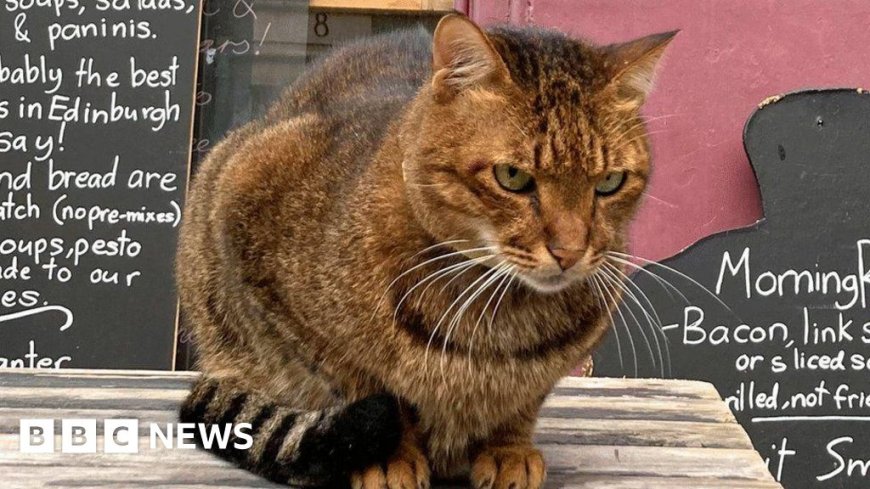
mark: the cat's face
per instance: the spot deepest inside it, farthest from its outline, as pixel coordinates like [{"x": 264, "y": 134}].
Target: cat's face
[{"x": 539, "y": 159}]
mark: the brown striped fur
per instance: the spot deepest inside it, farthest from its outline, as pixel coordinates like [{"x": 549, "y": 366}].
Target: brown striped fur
[{"x": 304, "y": 230}]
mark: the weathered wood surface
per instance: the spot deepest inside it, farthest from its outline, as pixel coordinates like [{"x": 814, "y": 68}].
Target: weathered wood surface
[{"x": 595, "y": 433}]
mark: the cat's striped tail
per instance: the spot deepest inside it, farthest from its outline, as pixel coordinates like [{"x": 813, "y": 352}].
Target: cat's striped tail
[{"x": 291, "y": 446}]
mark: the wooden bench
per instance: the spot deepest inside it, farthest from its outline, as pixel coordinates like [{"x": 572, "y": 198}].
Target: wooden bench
[{"x": 595, "y": 433}]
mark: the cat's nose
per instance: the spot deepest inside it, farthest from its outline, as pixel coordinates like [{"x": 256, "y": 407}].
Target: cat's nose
[{"x": 566, "y": 258}]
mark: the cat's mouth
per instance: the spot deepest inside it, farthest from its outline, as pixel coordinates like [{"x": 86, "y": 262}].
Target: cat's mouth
[
  {"x": 550, "y": 281},
  {"x": 537, "y": 269}
]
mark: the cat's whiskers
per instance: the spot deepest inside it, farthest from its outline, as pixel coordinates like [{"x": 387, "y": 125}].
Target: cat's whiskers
[
  {"x": 616, "y": 275},
  {"x": 505, "y": 275},
  {"x": 450, "y": 308},
  {"x": 677, "y": 272},
  {"x": 518, "y": 127},
  {"x": 620, "y": 286},
  {"x": 664, "y": 284},
  {"x": 441, "y": 257},
  {"x": 624, "y": 144},
  {"x": 597, "y": 281},
  {"x": 644, "y": 120},
  {"x": 460, "y": 313},
  {"x": 658, "y": 199},
  {"x": 513, "y": 276},
  {"x": 458, "y": 273},
  {"x": 504, "y": 284},
  {"x": 610, "y": 124},
  {"x": 626, "y": 133},
  {"x": 522, "y": 267},
  {"x": 437, "y": 275},
  {"x": 428, "y": 184},
  {"x": 658, "y": 321},
  {"x": 420, "y": 265},
  {"x": 667, "y": 286},
  {"x": 438, "y": 245},
  {"x": 607, "y": 289}
]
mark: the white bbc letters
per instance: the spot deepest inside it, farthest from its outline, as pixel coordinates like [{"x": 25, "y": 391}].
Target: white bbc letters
[
  {"x": 78, "y": 435},
  {"x": 36, "y": 436},
  {"x": 121, "y": 436}
]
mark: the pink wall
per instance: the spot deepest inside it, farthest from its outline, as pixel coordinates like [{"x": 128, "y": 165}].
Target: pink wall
[{"x": 728, "y": 57}]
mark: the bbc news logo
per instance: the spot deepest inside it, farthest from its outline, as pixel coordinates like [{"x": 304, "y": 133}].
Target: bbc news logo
[{"x": 122, "y": 435}]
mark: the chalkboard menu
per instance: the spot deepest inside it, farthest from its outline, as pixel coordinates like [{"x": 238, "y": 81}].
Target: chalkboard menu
[
  {"x": 776, "y": 316},
  {"x": 96, "y": 102}
]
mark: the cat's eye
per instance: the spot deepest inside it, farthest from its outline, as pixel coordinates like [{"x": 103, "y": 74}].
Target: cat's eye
[
  {"x": 610, "y": 183},
  {"x": 512, "y": 178}
]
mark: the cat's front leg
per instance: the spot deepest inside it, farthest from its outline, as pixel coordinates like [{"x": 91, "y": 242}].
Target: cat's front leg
[
  {"x": 509, "y": 459},
  {"x": 407, "y": 468}
]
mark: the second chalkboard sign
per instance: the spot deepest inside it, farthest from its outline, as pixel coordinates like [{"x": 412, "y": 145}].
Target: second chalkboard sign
[{"x": 776, "y": 316}]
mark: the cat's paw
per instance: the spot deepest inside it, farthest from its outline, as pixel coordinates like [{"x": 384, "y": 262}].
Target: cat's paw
[
  {"x": 407, "y": 469},
  {"x": 509, "y": 467}
]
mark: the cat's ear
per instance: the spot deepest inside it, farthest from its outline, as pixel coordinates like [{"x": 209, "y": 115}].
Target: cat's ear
[
  {"x": 463, "y": 57},
  {"x": 632, "y": 66}
]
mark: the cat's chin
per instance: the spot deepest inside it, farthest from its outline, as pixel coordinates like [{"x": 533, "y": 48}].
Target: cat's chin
[{"x": 549, "y": 284}]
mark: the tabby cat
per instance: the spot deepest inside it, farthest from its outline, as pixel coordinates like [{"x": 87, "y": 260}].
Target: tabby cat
[{"x": 388, "y": 273}]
